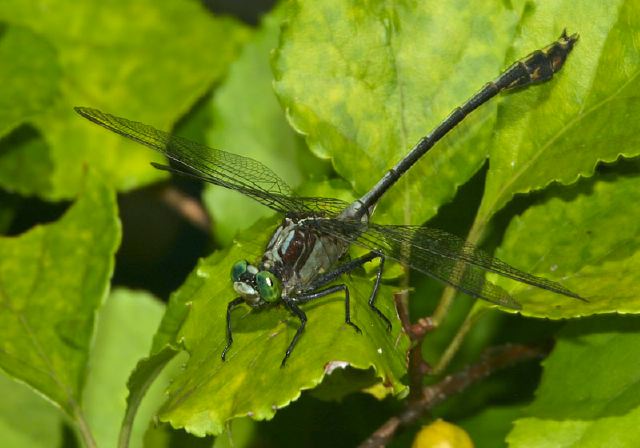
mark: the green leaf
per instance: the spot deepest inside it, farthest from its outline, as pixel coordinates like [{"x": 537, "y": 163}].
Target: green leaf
[
  {"x": 121, "y": 57},
  {"x": 25, "y": 164},
  {"x": 588, "y": 239},
  {"x": 125, "y": 328},
  {"x": 364, "y": 84},
  {"x": 210, "y": 392},
  {"x": 142, "y": 378},
  {"x": 26, "y": 419},
  {"x": 180, "y": 303},
  {"x": 561, "y": 130},
  {"x": 490, "y": 426},
  {"x": 248, "y": 120},
  {"x": 589, "y": 394},
  {"x": 7, "y": 211},
  {"x": 53, "y": 279},
  {"x": 25, "y": 92}
]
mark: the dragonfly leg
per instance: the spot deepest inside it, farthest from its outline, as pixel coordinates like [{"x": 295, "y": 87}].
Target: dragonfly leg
[
  {"x": 291, "y": 306},
  {"x": 331, "y": 290},
  {"x": 235, "y": 302},
  {"x": 374, "y": 293},
  {"x": 350, "y": 266}
]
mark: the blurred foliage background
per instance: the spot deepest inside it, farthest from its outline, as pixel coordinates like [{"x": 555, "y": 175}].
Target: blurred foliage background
[{"x": 328, "y": 95}]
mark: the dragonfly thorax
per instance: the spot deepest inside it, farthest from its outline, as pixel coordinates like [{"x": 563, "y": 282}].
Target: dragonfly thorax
[
  {"x": 298, "y": 253},
  {"x": 256, "y": 287}
]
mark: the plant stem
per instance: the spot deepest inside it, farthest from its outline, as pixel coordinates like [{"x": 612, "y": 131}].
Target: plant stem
[
  {"x": 189, "y": 208},
  {"x": 84, "y": 429},
  {"x": 418, "y": 367},
  {"x": 139, "y": 383},
  {"x": 474, "y": 315},
  {"x": 493, "y": 359},
  {"x": 446, "y": 299},
  {"x": 443, "y": 305}
]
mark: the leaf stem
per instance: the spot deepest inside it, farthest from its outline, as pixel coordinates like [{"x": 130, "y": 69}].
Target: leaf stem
[
  {"x": 84, "y": 429},
  {"x": 446, "y": 299},
  {"x": 140, "y": 380},
  {"x": 472, "y": 317}
]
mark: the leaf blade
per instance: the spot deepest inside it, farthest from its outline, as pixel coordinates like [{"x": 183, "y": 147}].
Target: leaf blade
[
  {"x": 52, "y": 280},
  {"x": 561, "y": 131}
]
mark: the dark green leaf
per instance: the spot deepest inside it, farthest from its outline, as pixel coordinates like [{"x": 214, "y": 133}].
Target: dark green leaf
[
  {"x": 7, "y": 211},
  {"x": 589, "y": 393},
  {"x": 25, "y": 164},
  {"x": 490, "y": 427}
]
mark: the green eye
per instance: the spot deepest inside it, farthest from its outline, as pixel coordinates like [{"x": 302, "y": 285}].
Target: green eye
[
  {"x": 269, "y": 286},
  {"x": 238, "y": 269}
]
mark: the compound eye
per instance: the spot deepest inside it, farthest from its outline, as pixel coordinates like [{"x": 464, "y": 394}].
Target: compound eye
[
  {"x": 269, "y": 286},
  {"x": 238, "y": 270}
]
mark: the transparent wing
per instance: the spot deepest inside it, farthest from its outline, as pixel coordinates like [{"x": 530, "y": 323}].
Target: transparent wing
[
  {"x": 440, "y": 255},
  {"x": 242, "y": 174}
]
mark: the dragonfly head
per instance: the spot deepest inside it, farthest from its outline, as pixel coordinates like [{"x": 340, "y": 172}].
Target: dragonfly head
[{"x": 256, "y": 287}]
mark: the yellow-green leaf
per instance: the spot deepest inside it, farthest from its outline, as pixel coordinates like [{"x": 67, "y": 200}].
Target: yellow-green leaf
[
  {"x": 53, "y": 279},
  {"x": 251, "y": 382},
  {"x": 560, "y": 131},
  {"x": 588, "y": 239},
  {"x": 363, "y": 84},
  {"x": 247, "y": 120},
  {"x": 146, "y": 60},
  {"x": 25, "y": 92}
]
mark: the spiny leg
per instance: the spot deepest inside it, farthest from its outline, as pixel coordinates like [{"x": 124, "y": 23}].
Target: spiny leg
[
  {"x": 235, "y": 302},
  {"x": 374, "y": 293},
  {"x": 330, "y": 290},
  {"x": 291, "y": 306},
  {"x": 350, "y": 266}
]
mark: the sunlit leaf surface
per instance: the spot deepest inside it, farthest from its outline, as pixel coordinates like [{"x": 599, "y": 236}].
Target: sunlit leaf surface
[
  {"x": 562, "y": 130},
  {"x": 364, "y": 84},
  {"x": 53, "y": 279},
  {"x": 251, "y": 382},
  {"x": 589, "y": 240},
  {"x": 149, "y": 61}
]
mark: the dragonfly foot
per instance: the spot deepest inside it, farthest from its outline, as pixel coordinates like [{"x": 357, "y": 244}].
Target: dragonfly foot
[
  {"x": 355, "y": 327},
  {"x": 381, "y": 316},
  {"x": 224, "y": 352}
]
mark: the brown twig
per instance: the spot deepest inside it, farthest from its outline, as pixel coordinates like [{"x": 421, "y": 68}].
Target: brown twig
[
  {"x": 400, "y": 299},
  {"x": 492, "y": 360},
  {"x": 187, "y": 207},
  {"x": 418, "y": 367}
]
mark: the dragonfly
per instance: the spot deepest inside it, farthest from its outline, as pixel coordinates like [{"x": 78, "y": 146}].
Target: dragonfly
[{"x": 309, "y": 250}]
